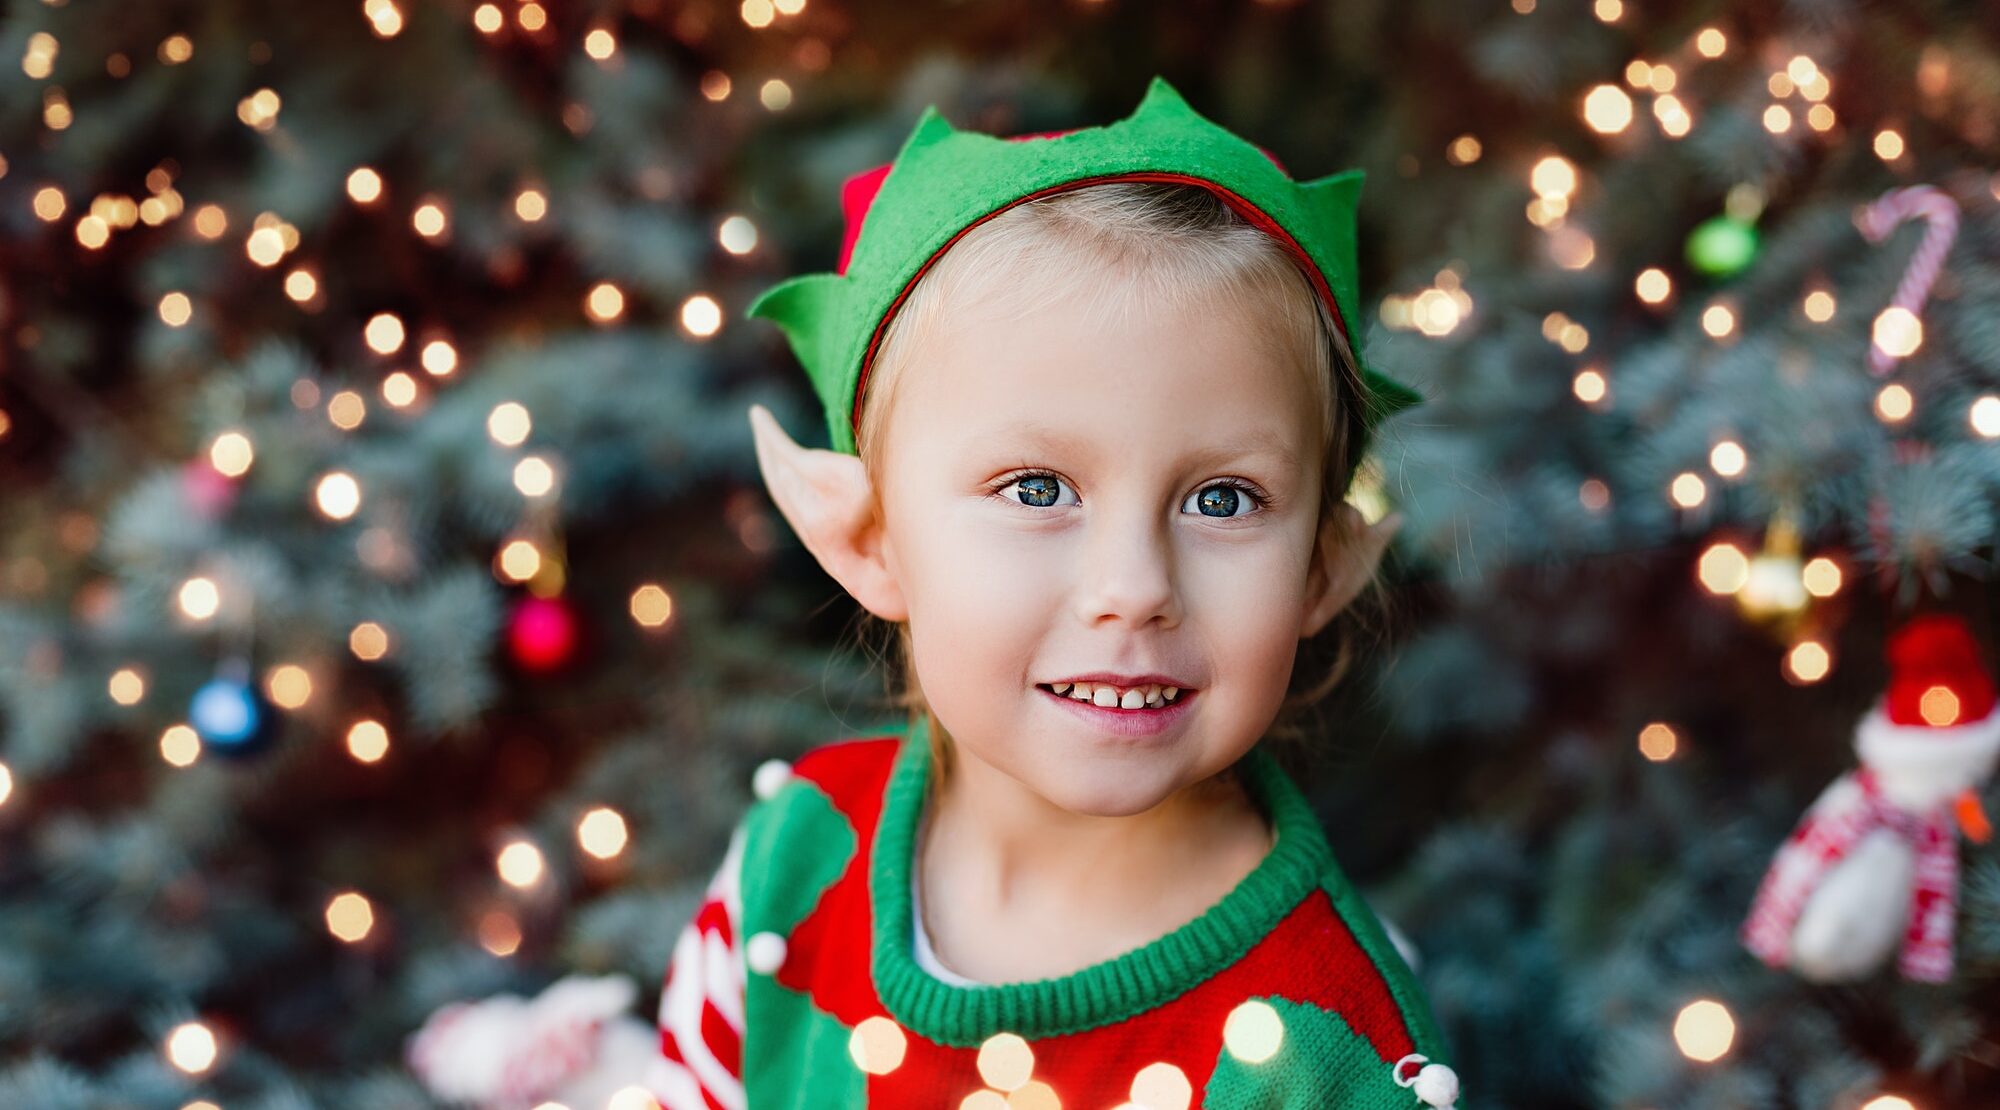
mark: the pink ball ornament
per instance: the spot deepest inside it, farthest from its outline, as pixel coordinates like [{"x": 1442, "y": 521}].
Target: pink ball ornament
[
  {"x": 208, "y": 491},
  {"x": 542, "y": 633}
]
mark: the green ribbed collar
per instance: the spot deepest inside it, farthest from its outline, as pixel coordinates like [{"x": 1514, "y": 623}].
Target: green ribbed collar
[{"x": 1104, "y": 992}]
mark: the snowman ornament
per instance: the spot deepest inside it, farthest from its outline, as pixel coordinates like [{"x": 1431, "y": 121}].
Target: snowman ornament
[{"x": 1872, "y": 868}]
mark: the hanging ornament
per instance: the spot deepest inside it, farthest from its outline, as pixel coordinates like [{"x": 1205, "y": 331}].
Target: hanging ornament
[
  {"x": 542, "y": 633},
  {"x": 1873, "y": 864},
  {"x": 1725, "y": 245},
  {"x": 1774, "y": 592},
  {"x": 1898, "y": 330},
  {"x": 230, "y": 715},
  {"x": 575, "y": 1044}
]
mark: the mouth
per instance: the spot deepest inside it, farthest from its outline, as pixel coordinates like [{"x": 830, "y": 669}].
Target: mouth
[
  {"x": 1136, "y": 697},
  {"x": 1137, "y": 711}
]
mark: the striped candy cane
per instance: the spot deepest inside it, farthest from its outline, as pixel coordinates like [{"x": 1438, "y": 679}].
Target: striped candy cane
[{"x": 1880, "y": 218}]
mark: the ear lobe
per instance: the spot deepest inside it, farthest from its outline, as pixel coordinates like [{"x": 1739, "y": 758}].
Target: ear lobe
[
  {"x": 826, "y": 498},
  {"x": 1347, "y": 554}
]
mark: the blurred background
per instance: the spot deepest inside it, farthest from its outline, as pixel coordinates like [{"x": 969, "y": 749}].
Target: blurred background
[{"x": 391, "y": 613}]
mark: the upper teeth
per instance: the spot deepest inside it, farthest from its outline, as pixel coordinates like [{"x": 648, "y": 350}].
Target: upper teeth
[{"x": 1124, "y": 697}]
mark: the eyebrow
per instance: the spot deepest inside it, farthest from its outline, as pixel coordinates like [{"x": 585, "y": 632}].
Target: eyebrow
[{"x": 1259, "y": 441}]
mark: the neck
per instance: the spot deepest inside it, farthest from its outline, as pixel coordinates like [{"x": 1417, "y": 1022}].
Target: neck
[{"x": 1007, "y": 845}]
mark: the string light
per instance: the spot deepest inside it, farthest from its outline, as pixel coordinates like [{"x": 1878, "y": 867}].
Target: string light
[
  {"x": 519, "y": 560},
  {"x": 368, "y": 641},
  {"x": 384, "y": 333},
  {"x": 790, "y": 7},
  {"x": 211, "y": 221},
  {"x": 56, "y": 114},
  {"x": 520, "y": 864},
  {"x": 604, "y": 303},
  {"x": 199, "y": 598},
  {"x": 364, "y": 185},
  {"x": 346, "y": 410},
  {"x": 1888, "y": 144},
  {"x": 192, "y": 1048},
  {"x": 600, "y": 44},
  {"x": 1688, "y": 490},
  {"x": 439, "y": 358},
  {"x": 487, "y": 19},
  {"x": 877, "y": 1045},
  {"x": 40, "y": 59},
  {"x": 92, "y": 232},
  {"x": 1894, "y": 403},
  {"x": 127, "y": 686},
  {"x": 1553, "y": 176},
  {"x": 1704, "y": 1030},
  {"x": 288, "y": 685},
  {"x": 651, "y": 605},
  {"x": 715, "y": 85},
  {"x": 180, "y": 745},
  {"x": 49, "y": 203},
  {"x": 1821, "y": 577},
  {"x": 602, "y": 832},
  {"x": 1939, "y": 707},
  {"x": 1777, "y": 119},
  {"x": 259, "y": 110},
  {"x": 384, "y": 18},
  {"x": 775, "y": 95},
  {"x": 1888, "y": 1102},
  {"x": 1572, "y": 248},
  {"x": 737, "y": 235},
  {"x": 301, "y": 285},
  {"x": 176, "y": 309},
  {"x": 1658, "y": 742},
  {"x": 399, "y": 389},
  {"x": 1662, "y": 79},
  {"x": 6, "y": 784},
  {"x": 1711, "y": 42},
  {"x": 367, "y": 741},
  {"x": 349, "y": 917},
  {"x": 1434, "y": 312},
  {"x": 175, "y": 49},
  {"x": 1718, "y": 320},
  {"x": 1006, "y": 1062},
  {"x": 534, "y": 477},
  {"x": 1898, "y": 332},
  {"x": 701, "y": 317},
  {"x": 531, "y": 205},
  {"x": 1727, "y": 458},
  {"x": 508, "y": 424},
  {"x": 265, "y": 246},
  {"x": 1463, "y": 151},
  {"x": 429, "y": 219},
  {"x": 1820, "y": 117},
  {"x": 1807, "y": 662},
  {"x": 1819, "y": 306},
  {"x": 625, "y": 1098},
  {"x": 1653, "y": 285},
  {"x": 758, "y": 13},
  {"x": 1723, "y": 569},
  {"x": 1608, "y": 11},
  {"x": 1984, "y": 416},
  {"x": 1593, "y": 495},
  {"x": 1589, "y": 386},
  {"x": 1253, "y": 1031},
  {"x": 337, "y": 495},
  {"x": 1607, "y": 109},
  {"x": 531, "y": 16},
  {"x": 1162, "y": 1086}
]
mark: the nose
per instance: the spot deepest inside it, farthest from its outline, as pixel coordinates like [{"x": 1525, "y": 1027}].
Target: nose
[{"x": 1127, "y": 574}]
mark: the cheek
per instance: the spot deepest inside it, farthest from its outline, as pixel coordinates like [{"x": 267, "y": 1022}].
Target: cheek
[
  {"x": 980, "y": 600},
  {"x": 1248, "y": 600}
]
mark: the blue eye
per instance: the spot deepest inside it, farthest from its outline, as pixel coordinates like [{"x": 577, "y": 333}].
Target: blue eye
[
  {"x": 1038, "y": 491},
  {"x": 1222, "y": 499}
]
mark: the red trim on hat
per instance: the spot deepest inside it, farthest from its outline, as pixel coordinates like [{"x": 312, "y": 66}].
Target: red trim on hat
[{"x": 858, "y": 193}]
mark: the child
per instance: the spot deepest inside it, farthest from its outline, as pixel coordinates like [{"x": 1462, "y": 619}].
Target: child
[{"x": 1095, "y": 400}]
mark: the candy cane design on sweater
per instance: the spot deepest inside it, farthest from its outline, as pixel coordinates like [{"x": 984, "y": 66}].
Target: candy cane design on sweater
[{"x": 701, "y": 1006}]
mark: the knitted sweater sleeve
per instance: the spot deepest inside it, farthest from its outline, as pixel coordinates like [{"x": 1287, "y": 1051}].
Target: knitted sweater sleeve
[{"x": 701, "y": 1004}]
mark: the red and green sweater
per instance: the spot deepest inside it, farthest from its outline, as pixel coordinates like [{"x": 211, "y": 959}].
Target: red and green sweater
[{"x": 797, "y": 986}]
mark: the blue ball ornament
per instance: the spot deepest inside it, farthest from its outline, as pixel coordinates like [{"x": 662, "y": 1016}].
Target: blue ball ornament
[{"x": 231, "y": 717}]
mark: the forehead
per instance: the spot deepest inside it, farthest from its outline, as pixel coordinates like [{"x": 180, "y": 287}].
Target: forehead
[{"x": 1112, "y": 376}]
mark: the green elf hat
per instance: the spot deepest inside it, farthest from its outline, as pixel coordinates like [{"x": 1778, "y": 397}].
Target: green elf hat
[{"x": 901, "y": 217}]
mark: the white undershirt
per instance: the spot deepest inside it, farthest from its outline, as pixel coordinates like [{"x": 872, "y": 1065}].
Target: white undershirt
[{"x": 926, "y": 955}]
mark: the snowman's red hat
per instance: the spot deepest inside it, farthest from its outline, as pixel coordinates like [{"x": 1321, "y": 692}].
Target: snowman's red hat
[
  {"x": 1933, "y": 731},
  {"x": 1935, "y": 676}
]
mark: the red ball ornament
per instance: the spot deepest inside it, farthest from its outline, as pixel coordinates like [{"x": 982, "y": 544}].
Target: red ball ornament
[{"x": 542, "y": 633}]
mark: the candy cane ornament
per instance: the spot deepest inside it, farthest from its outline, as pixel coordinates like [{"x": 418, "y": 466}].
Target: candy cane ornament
[{"x": 1880, "y": 218}]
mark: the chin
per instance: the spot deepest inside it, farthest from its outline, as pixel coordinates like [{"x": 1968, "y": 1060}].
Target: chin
[{"x": 1112, "y": 795}]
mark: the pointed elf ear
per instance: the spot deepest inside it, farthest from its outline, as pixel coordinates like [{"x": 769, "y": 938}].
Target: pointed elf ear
[
  {"x": 826, "y": 497},
  {"x": 1348, "y": 551}
]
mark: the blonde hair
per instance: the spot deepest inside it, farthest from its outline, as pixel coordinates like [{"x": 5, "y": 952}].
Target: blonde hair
[{"x": 1171, "y": 244}]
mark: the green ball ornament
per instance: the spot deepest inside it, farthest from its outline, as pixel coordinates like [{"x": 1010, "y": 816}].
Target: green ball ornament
[{"x": 1722, "y": 246}]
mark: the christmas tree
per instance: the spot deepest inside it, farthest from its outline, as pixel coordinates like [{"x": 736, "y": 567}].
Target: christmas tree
[{"x": 391, "y": 614}]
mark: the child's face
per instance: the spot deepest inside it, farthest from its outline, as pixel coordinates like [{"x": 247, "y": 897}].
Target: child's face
[{"x": 1108, "y": 562}]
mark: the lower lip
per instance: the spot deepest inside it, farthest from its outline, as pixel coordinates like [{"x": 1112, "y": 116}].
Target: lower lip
[{"x": 1124, "y": 722}]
